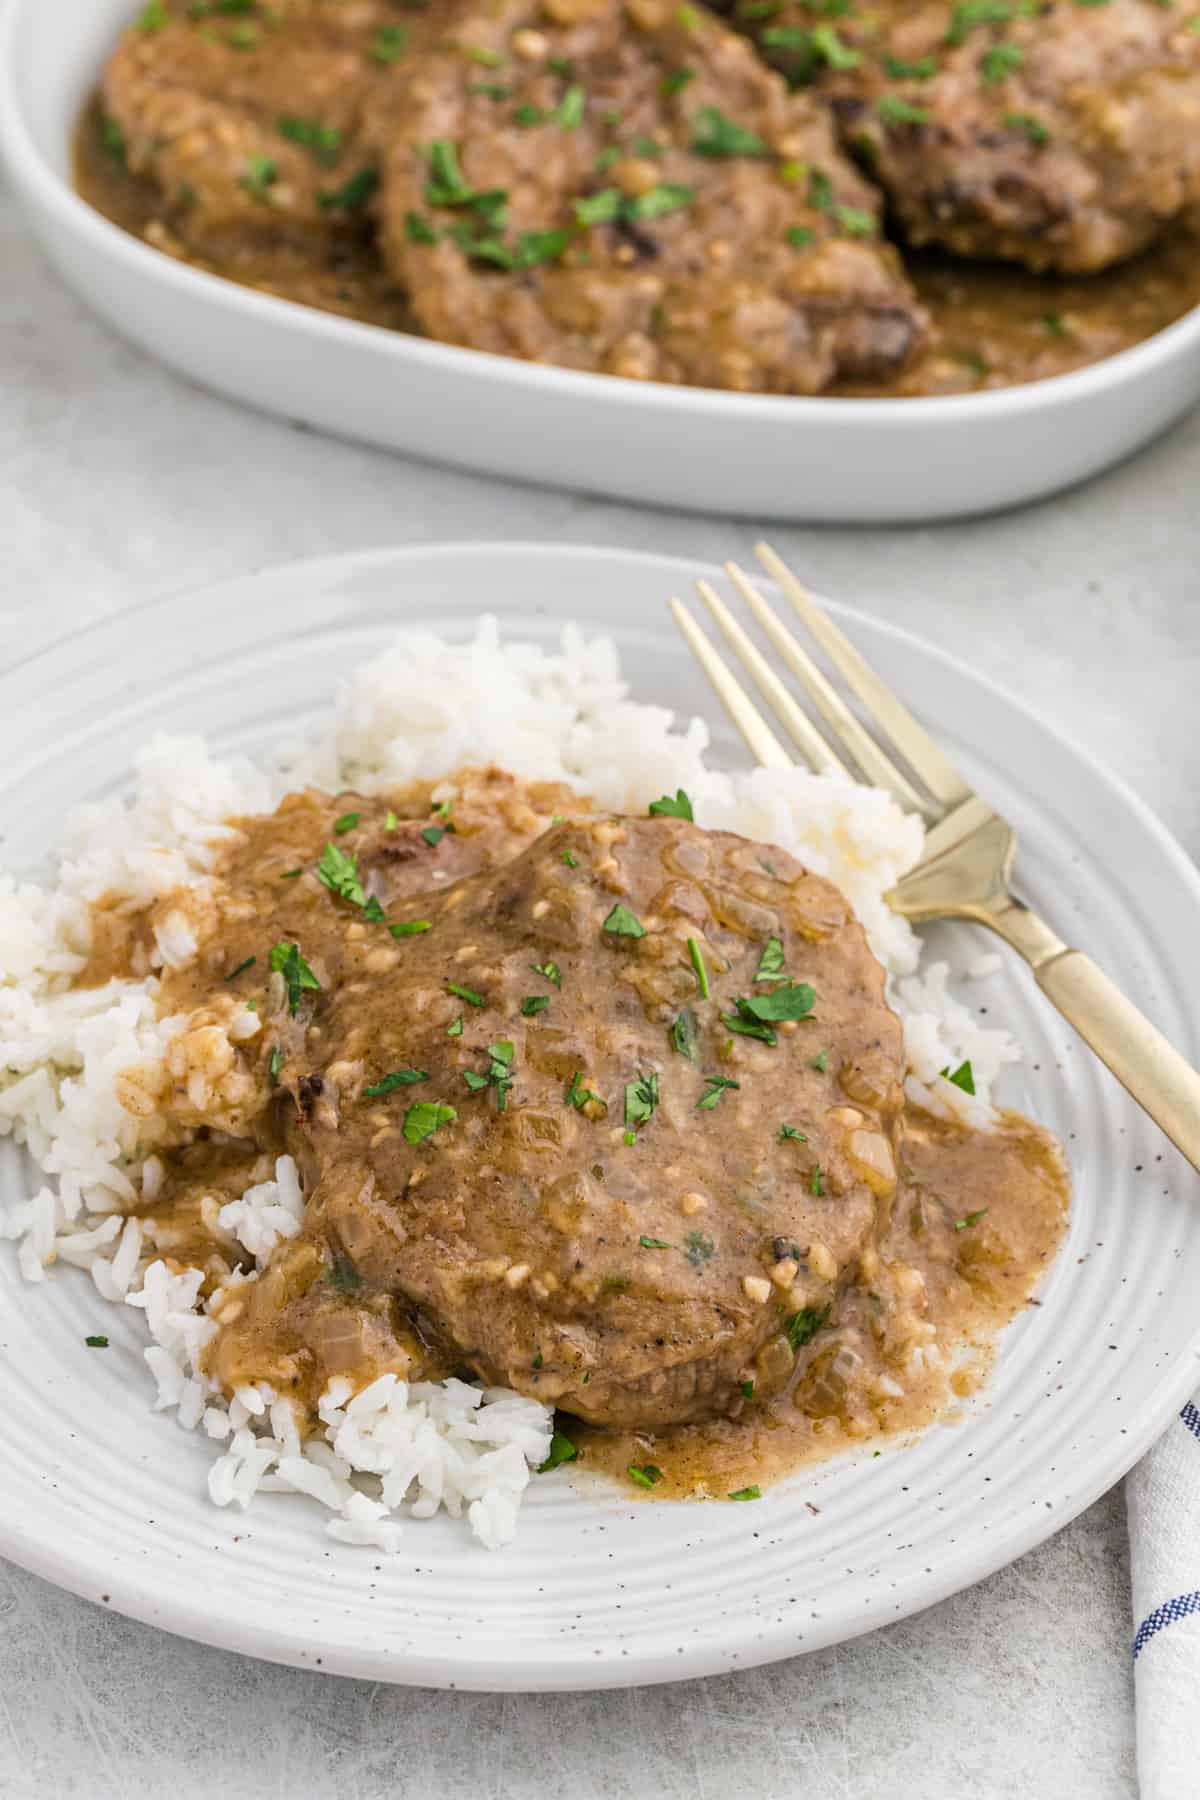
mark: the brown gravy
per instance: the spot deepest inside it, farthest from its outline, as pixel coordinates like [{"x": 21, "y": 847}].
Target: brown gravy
[
  {"x": 900, "y": 1323},
  {"x": 993, "y": 326}
]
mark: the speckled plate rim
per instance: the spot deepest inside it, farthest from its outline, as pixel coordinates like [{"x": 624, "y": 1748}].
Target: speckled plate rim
[{"x": 70, "y": 1566}]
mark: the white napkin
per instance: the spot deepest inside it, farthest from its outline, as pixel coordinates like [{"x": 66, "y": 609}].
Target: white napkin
[{"x": 1163, "y": 1502}]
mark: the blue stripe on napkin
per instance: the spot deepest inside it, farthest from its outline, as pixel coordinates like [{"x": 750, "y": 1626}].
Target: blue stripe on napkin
[
  {"x": 1166, "y": 1614},
  {"x": 1191, "y": 1418}
]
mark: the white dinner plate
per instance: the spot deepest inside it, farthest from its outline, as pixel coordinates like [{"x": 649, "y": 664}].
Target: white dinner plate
[
  {"x": 107, "y": 1498},
  {"x": 758, "y": 455}
]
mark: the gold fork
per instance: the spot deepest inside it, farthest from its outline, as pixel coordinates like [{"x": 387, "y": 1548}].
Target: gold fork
[{"x": 968, "y": 856}]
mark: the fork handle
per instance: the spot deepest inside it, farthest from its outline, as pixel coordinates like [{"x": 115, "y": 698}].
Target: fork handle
[{"x": 1140, "y": 1057}]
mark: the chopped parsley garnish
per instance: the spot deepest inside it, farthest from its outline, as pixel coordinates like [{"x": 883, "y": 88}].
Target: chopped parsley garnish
[
  {"x": 998, "y": 63},
  {"x": 756, "y": 1013},
  {"x": 1054, "y": 324},
  {"x": 629, "y": 1138},
  {"x": 353, "y": 194},
  {"x": 572, "y": 862},
  {"x": 820, "y": 1062},
  {"x": 578, "y": 1096},
  {"x": 153, "y": 17},
  {"x": 815, "y": 1184},
  {"x": 894, "y": 110},
  {"x": 820, "y": 191},
  {"x": 748, "y": 1390},
  {"x": 390, "y": 43},
  {"x": 717, "y": 136},
  {"x": 275, "y": 1064},
  {"x": 248, "y": 963},
  {"x": 789, "y": 1134},
  {"x": 621, "y": 923},
  {"x": 854, "y": 221},
  {"x": 646, "y": 1475},
  {"x": 699, "y": 1248},
  {"x": 487, "y": 59},
  {"x": 551, "y": 971},
  {"x": 96, "y": 1343},
  {"x": 299, "y": 979},
  {"x": 346, "y": 823},
  {"x": 291, "y": 874},
  {"x": 972, "y": 1218},
  {"x": 697, "y": 958},
  {"x": 534, "y": 1004},
  {"x": 261, "y": 174},
  {"x": 770, "y": 963},
  {"x": 323, "y": 140},
  {"x": 455, "y": 1030},
  {"x": 410, "y": 927},
  {"x": 830, "y": 48},
  {"x": 562, "y": 1450},
  {"x": 716, "y": 1085},
  {"x": 746, "y": 1493},
  {"x": 537, "y": 1361},
  {"x": 972, "y": 13},
  {"x": 963, "y": 1077},
  {"x": 499, "y": 1073},
  {"x": 798, "y": 236},
  {"x": 391, "y": 822},
  {"x": 599, "y": 209},
  {"x": 678, "y": 808},
  {"x": 667, "y": 197},
  {"x": 465, "y": 993},
  {"x": 684, "y": 1034},
  {"x": 338, "y": 871},
  {"x": 649, "y": 1243},
  {"x": 433, "y": 835},
  {"x": 426, "y": 1117},
  {"x": 342, "y": 1274},
  {"x": 641, "y": 1100},
  {"x": 112, "y": 138},
  {"x": 397, "y": 1079},
  {"x": 803, "y": 1326},
  {"x": 922, "y": 70},
  {"x": 674, "y": 81},
  {"x": 1037, "y": 133}
]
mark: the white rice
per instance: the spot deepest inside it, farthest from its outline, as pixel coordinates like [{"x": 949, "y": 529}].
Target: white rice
[{"x": 75, "y": 1066}]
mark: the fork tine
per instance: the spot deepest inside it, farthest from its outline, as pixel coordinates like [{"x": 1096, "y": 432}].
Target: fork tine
[
  {"x": 879, "y": 769},
  {"x": 894, "y": 719},
  {"x": 799, "y": 727},
  {"x": 761, "y": 741}
]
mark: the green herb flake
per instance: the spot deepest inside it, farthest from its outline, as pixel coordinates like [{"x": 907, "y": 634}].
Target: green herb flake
[
  {"x": 685, "y": 1034},
  {"x": 798, "y": 236},
  {"x": 972, "y": 1218},
  {"x": 562, "y": 1450},
  {"x": 718, "y": 136},
  {"x": 465, "y": 993},
  {"x": 537, "y": 1361},
  {"x": 804, "y": 1325},
  {"x": 820, "y": 1062},
  {"x": 830, "y": 48},
  {"x": 338, "y": 871},
  {"x": 534, "y": 1004},
  {"x": 655, "y": 203},
  {"x": 697, "y": 961},
  {"x": 390, "y": 43},
  {"x": 1029, "y": 126},
  {"x": 397, "y": 1079},
  {"x": 572, "y": 862},
  {"x": 322, "y": 140},
  {"x": 699, "y": 1248},
  {"x": 894, "y": 110},
  {"x": 96, "y": 1343},
  {"x": 275, "y": 1064},
  {"x": 621, "y": 923},
  {"x": 792, "y": 1000},
  {"x": 998, "y": 63},
  {"x": 286, "y": 960},
  {"x": 342, "y": 1274},
  {"x": 674, "y": 81},
  {"x": 260, "y": 175},
  {"x": 153, "y": 17},
  {"x": 410, "y": 927},
  {"x": 653, "y": 1243},
  {"x": 112, "y": 138},
  {"x": 426, "y": 1117},
  {"x": 716, "y": 1086},
  {"x": 353, "y": 194},
  {"x": 291, "y": 874},
  {"x": 601, "y": 208},
  {"x": 641, "y": 1100},
  {"x": 963, "y": 1077},
  {"x": 789, "y": 1134},
  {"x": 746, "y": 1493},
  {"x": 456, "y": 1029},
  {"x": 678, "y": 808},
  {"x": 346, "y": 823},
  {"x": 646, "y": 1475},
  {"x": 816, "y": 1185},
  {"x": 748, "y": 1390},
  {"x": 248, "y": 963},
  {"x": 551, "y": 972},
  {"x": 771, "y": 962},
  {"x": 578, "y": 1096}
]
